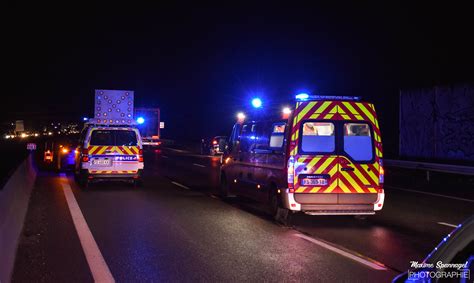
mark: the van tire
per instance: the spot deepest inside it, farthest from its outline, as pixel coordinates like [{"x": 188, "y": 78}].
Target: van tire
[
  {"x": 138, "y": 183},
  {"x": 83, "y": 180},
  {"x": 361, "y": 217},
  {"x": 277, "y": 211},
  {"x": 224, "y": 187}
]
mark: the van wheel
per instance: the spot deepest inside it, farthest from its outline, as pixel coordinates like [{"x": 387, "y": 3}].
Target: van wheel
[
  {"x": 361, "y": 217},
  {"x": 138, "y": 183},
  {"x": 274, "y": 203},
  {"x": 277, "y": 211},
  {"x": 224, "y": 188},
  {"x": 83, "y": 181}
]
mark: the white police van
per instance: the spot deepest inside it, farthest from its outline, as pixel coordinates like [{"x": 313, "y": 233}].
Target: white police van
[{"x": 110, "y": 146}]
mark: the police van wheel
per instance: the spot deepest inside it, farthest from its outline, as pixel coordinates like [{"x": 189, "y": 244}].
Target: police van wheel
[
  {"x": 361, "y": 217},
  {"x": 138, "y": 183},
  {"x": 83, "y": 181}
]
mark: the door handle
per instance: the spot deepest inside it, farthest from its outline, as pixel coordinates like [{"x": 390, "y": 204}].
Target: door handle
[{"x": 347, "y": 169}]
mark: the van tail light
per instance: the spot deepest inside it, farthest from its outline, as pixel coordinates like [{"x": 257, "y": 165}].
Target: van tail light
[
  {"x": 85, "y": 155},
  {"x": 381, "y": 172},
  {"x": 291, "y": 173},
  {"x": 140, "y": 155}
]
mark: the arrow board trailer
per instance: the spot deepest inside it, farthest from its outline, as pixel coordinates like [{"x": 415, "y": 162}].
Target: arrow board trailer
[{"x": 113, "y": 107}]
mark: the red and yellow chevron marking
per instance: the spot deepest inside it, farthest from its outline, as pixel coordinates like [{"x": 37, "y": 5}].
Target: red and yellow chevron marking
[
  {"x": 316, "y": 165},
  {"x": 113, "y": 172},
  {"x": 360, "y": 180},
  {"x": 122, "y": 150}
]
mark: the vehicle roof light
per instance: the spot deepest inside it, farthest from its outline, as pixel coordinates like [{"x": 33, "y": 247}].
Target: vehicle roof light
[
  {"x": 256, "y": 102},
  {"x": 240, "y": 116},
  {"x": 302, "y": 96},
  {"x": 306, "y": 97}
]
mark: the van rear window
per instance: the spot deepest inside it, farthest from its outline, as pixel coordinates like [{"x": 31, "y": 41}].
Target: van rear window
[
  {"x": 114, "y": 137},
  {"x": 318, "y": 137},
  {"x": 357, "y": 141}
]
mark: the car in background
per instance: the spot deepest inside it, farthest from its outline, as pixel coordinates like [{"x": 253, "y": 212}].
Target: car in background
[
  {"x": 456, "y": 248},
  {"x": 65, "y": 156},
  {"x": 214, "y": 146}
]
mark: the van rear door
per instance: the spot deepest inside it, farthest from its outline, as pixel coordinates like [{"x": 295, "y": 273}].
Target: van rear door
[
  {"x": 336, "y": 143},
  {"x": 317, "y": 166},
  {"x": 114, "y": 150},
  {"x": 358, "y": 166}
]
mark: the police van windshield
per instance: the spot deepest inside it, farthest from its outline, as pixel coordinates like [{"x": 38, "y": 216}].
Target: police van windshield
[{"x": 114, "y": 137}]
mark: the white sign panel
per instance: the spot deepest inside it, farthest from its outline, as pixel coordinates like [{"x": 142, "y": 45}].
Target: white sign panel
[
  {"x": 162, "y": 125},
  {"x": 31, "y": 146}
]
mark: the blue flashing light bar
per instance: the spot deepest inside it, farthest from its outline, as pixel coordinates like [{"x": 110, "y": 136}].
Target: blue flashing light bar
[
  {"x": 302, "y": 96},
  {"x": 256, "y": 102},
  {"x": 306, "y": 97}
]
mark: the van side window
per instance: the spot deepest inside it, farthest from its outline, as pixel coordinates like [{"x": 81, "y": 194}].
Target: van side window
[
  {"x": 318, "y": 137},
  {"x": 262, "y": 135},
  {"x": 358, "y": 141},
  {"x": 247, "y": 138},
  {"x": 82, "y": 137},
  {"x": 234, "y": 137},
  {"x": 278, "y": 135}
]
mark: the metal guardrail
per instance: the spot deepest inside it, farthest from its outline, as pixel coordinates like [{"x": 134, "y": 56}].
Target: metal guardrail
[{"x": 434, "y": 167}]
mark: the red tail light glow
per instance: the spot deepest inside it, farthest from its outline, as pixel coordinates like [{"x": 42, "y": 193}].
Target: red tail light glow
[
  {"x": 214, "y": 142},
  {"x": 85, "y": 155},
  {"x": 140, "y": 155}
]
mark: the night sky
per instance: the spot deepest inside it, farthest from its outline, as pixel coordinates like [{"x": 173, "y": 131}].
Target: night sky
[{"x": 201, "y": 64}]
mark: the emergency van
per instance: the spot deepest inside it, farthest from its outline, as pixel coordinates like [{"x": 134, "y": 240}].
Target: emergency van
[
  {"x": 110, "y": 145},
  {"x": 324, "y": 157}
]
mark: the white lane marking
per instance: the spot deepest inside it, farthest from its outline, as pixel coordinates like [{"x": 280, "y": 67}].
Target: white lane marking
[
  {"x": 179, "y": 185},
  {"x": 178, "y": 150},
  {"x": 352, "y": 255},
  {"x": 199, "y": 165},
  {"x": 164, "y": 156},
  {"x": 431, "y": 194},
  {"x": 97, "y": 265},
  {"x": 448, "y": 224}
]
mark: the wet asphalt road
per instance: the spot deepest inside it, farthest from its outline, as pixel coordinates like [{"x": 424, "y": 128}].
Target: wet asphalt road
[{"x": 167, "y": 232}]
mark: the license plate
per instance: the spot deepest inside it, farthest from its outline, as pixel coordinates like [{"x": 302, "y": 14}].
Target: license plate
[
  {"x": 314, "y": 182},
  {"x": 102, "y": 162}
]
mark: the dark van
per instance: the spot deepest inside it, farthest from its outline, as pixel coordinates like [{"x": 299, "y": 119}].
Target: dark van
[{"x": 324, "y": 157}]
